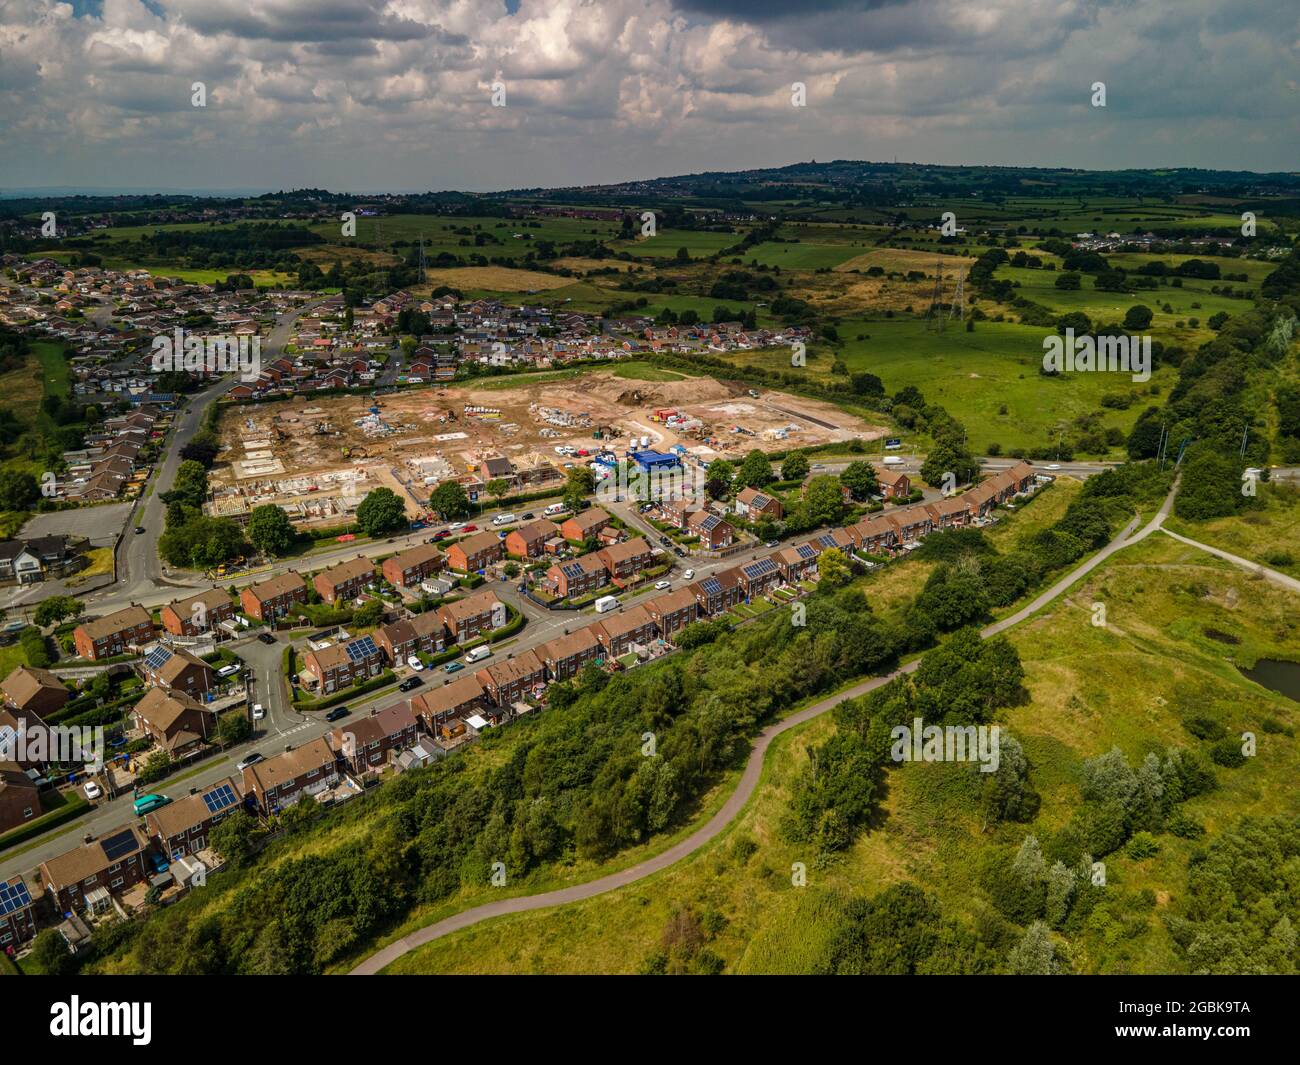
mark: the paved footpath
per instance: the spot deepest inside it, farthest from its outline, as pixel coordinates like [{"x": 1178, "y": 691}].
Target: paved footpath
[{"x": 737, "y": 800}]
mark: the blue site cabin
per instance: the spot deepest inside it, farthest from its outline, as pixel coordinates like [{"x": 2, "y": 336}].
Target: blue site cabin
[{"x": 654, "y": 460}]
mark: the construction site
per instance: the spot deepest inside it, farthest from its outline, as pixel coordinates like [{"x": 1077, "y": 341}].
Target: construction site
[{"x": 318, "y": 457}]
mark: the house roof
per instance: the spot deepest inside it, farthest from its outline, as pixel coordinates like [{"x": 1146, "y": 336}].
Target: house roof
[
  {"x": 287, "y": 767},
  {"x": 212, "y": 599},
  {"x": 273, "y": 587},
  {"x": 88, "y": 859},
  {"x": 628, "y": 621},
  {"x": 440, "y": 700},
  {"x": 541, "y": 529},
  {"x": 126, "y": 618},
  {"x": 481, "y": 602},
  {"x": 390, "y": 721},
  {"x": 588, "y": 519},
  {"x": 180, "y": 816},
  {"x": 562, "y": 647},
  {"x": 27, "y": 682},
  {"x": 524, "y": 664},
  {"x": 175, "y": 663},
  {"x": 347, "y": 571},
  {"x": 671, "y": 602},
  {"x": 472, "y": 545},
  {"x": 416, "y": 556},
  {"x": 163, "y": 709},
  {"x": 627, "y": 550}
]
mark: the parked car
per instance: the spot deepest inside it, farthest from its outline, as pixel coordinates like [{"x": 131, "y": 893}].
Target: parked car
[
  {"x": 259, "y": 711},
  {"x": 452, "y": 667},
  {"x": 470, "y": 528},
  {"x": 253, "y": 758},
  {"x": 93, "y": 791},
  {"x": 456, "y": 526},
  {"x": 665, "y": 541},
  {"x": 772, "y": 543},
  {"x": 688, "y": 575},
  {"x": 441, "y": 534},
  {"x": 679, "y": 552},
  {"x": 266, "y": 637},
  {"x": 414, "y": 663},
  {"x": 661, "y": 585},
  {"x": 409, "y": 683},
  {"x": 338, "y": 713},
  {"x": 145, "y": 803},
  {"x": 528, "y": 517}
]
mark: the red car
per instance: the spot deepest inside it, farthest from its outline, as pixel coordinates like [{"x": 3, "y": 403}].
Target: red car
[
  {"x": 470, "y": 528},
  {"x": 441, "y": 534}
]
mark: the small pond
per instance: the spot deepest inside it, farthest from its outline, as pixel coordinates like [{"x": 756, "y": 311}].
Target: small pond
[{"x": 1277, "y": 675}]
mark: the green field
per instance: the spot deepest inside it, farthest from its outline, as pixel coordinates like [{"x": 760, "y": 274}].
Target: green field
[
  {"x": 446, "y": 234},
  {"x": 665, "y": 242},
  {"x": 1090, "y": 688}
]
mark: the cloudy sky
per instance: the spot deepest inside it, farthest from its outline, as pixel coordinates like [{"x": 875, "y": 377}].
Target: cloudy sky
[{"x": 365, "y": 95}]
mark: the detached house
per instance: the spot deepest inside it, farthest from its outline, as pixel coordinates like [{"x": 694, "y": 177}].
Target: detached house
[
  {"x": 345, "y": 581},
  {"x": 272, "y": 599},
  {"x": 894, "y": 484},
  {"x": 119, "y": 633},
  {"x": 280, "y": 782},
  {"x": 529, "y": 541}
]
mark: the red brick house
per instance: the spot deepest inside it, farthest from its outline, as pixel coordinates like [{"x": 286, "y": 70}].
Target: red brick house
[
  {"x": 34, "y": 692},
  {"x": 874, "y": 535},
  {"x": 454, "y": 700},
  {"x": 466, "y": 618},
  {"x": 20, "y": 799},
  {"x": 85, "y": 877},
  {"x": 529, "y": 541},
  {"x": 672, "y": 611},
  {"x": 407, "y": 636},
  {"x": 754, "y": 505},
  {"x": 210, "y": 608},
  {"x": 717, "y": 593},
  {"x": 511, "y": 678},
  {"x": 272, "y": 599},
  {"x": 576, "y": 576},
  {"x": 280, "y": 782},
  {"x": 796, "y": 563},
  {"x": 759, "y": 576},
  {"x": 624, "y": 561},
  {"x": 583, "y": 525},
  {"x": 475, "y": 552},
  {"x": 183, "y": 827},
  {"x": 176, "y": 670},
  {"x": 119, "y": 633},
  {"x": 713, "y": 531},
  {"x": 345, "y": 581},
  {"x": 173, "y": 720},
  {"x": 341, "y": 664},
  {"x": 566, "y": 655},
  {"x": 364, "y": 745},
  {"x": 410, "y": 567},
  {"x": 18, "y": 918},
  {"x": 894, "y": 484},
  {"x": 618, "y": 633}
]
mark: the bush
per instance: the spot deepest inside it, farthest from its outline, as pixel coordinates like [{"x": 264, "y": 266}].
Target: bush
[{"x": 1227, "y": 753}]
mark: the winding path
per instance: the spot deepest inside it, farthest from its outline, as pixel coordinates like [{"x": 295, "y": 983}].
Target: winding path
[{"x": 748, "y": 780}]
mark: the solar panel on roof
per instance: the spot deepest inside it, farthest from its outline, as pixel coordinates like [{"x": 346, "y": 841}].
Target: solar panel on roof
[
  {"x": 712, "y": 585},
  {"x": 361, "y": 648},
  {"x": 118, "y": 846},
  {"x": 14, "y": 897},
  {"x": 219, "y": 798},
  {"x": 760, "y": 567},
  {"x": 760, "y": 500},
  {"x": 157, "y": 658}
]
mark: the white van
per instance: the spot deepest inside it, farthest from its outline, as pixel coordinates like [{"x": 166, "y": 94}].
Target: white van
[
  {"x": 605, "y": 602},
  {"x": 503, "y": 519},
  {"x": 553, "y": 509},
  {"x": 892, "y": 460},
  {"x": 477, "y": 654}
]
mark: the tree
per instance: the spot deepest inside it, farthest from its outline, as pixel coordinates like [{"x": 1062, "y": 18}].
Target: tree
[
  {"x": 795, "y": 467},
  {"x": 191, "y": 484},
  {"x": 233, "y": 727},
  {"x": 1210, "y": 487},
  {"x": 867, "y": 384},
  {"x": 860, "y": 479},
  {"x": 270, "y": 530},
  {"x": 497, "y": 488},
  {"x": 1068, "y": 280},
  {"x": 233, "y": 838},
  {"x": 1137, "y": 318},
  {"x": 579, "y": 484},
  {"x": 833, "y": 568},
  {"x": 368, "y": 613},
  {"x": 381, "y": 512},
  {"x": 1034, "y": 955},
  {"x": 51, "y": 955},
  {"x": 449, "y": 501},
  {"x": 824, "y": 501},
  {"x": 755, "y": 471},
  {"x": 18, "y": 490},
  {"x": 56, "y": 608}
]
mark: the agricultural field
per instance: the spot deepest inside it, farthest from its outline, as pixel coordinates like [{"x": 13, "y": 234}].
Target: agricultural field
[
  {"x": 1127, "y": 685},
  {"x": 504, "y": 237},
  {"x": 665, "y": 242}
]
